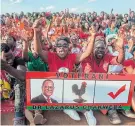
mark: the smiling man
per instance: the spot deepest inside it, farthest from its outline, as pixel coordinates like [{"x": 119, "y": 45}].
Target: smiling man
[
  {"x": 47, "y": 91},
  {"x": 99, "y": 63}
]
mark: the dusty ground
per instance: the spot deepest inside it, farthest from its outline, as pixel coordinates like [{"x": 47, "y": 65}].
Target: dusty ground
[{"x": 59, "y": 118}]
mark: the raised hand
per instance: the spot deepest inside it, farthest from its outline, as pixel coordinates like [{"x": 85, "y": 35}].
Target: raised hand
[
  {"x": 120, "y": 43},
  {"x": 93, "y": 33},
  {"x": 26, "y": 35},
  {"x": 37, "y": 23}
]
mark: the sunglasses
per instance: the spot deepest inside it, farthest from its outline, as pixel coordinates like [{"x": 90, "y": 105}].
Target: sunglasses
[{"x": 64, "y": 46}]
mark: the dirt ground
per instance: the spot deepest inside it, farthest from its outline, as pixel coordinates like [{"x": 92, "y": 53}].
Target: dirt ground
[{"x": 60, "y": 118}]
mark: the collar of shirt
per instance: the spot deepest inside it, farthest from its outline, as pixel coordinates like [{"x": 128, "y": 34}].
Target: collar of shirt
[{"x": 47, "y": 98}]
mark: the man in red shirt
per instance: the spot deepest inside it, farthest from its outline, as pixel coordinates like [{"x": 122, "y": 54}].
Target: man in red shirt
[
  {"x": 99, "y": 63},
  {"x": 63, "y": 60}
]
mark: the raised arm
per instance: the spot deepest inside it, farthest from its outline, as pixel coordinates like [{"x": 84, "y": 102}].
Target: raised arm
[
  {"x": 48, "y": 28},
  {"x": 37, "y": 41},
  {"x": 120, "y": 48},
  {"x": 63, "y": 16},
  {"x": 25, "y": 39},
  {"x": 25, "y": 51},
  {"x": 82, "y": 56},
  {"x": 131, "y": 44}
]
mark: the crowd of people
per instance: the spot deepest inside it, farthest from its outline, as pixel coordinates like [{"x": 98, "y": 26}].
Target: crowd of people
[{"x": 64, "y": 42}]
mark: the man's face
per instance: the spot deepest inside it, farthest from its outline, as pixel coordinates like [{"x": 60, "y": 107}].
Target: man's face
[
  {"x": 99, "y": 50},
  {"x": 62, "y": 48},
  {"x": 9, "y": 57},
  {"x": 74, "y": 39},
  {"x": 48, "y": 88}
]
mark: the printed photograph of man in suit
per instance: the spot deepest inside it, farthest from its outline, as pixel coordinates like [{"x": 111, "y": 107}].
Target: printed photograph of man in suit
[{"x": 47, "y": 91}]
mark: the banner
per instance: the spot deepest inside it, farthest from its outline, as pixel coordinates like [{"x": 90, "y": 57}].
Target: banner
[{"x": 78, "y": 89}]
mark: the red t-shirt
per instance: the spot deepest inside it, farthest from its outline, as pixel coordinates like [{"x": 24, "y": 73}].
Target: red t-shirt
[
  {"x": 90, "y": 65},
  {"x": 55, "y": 63}
]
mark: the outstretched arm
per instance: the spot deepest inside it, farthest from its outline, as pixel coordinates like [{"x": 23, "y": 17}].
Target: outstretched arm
[
  {"x": 26, "y": 40},
  {"x": 82, "y": 56},
  {"x": 37, "y": 41}
]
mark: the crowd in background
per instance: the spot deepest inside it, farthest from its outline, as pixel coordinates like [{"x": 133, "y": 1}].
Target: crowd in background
[{"x": 66, "y": 42}]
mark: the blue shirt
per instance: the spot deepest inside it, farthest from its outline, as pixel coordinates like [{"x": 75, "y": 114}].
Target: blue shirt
[{"x": 109, "y": 32}]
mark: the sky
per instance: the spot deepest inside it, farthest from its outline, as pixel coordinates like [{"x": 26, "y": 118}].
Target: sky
[{"x": 76, "y": 6}]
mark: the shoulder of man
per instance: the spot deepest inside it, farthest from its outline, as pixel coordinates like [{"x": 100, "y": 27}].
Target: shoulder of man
[{"x": 37, "y": 99}]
